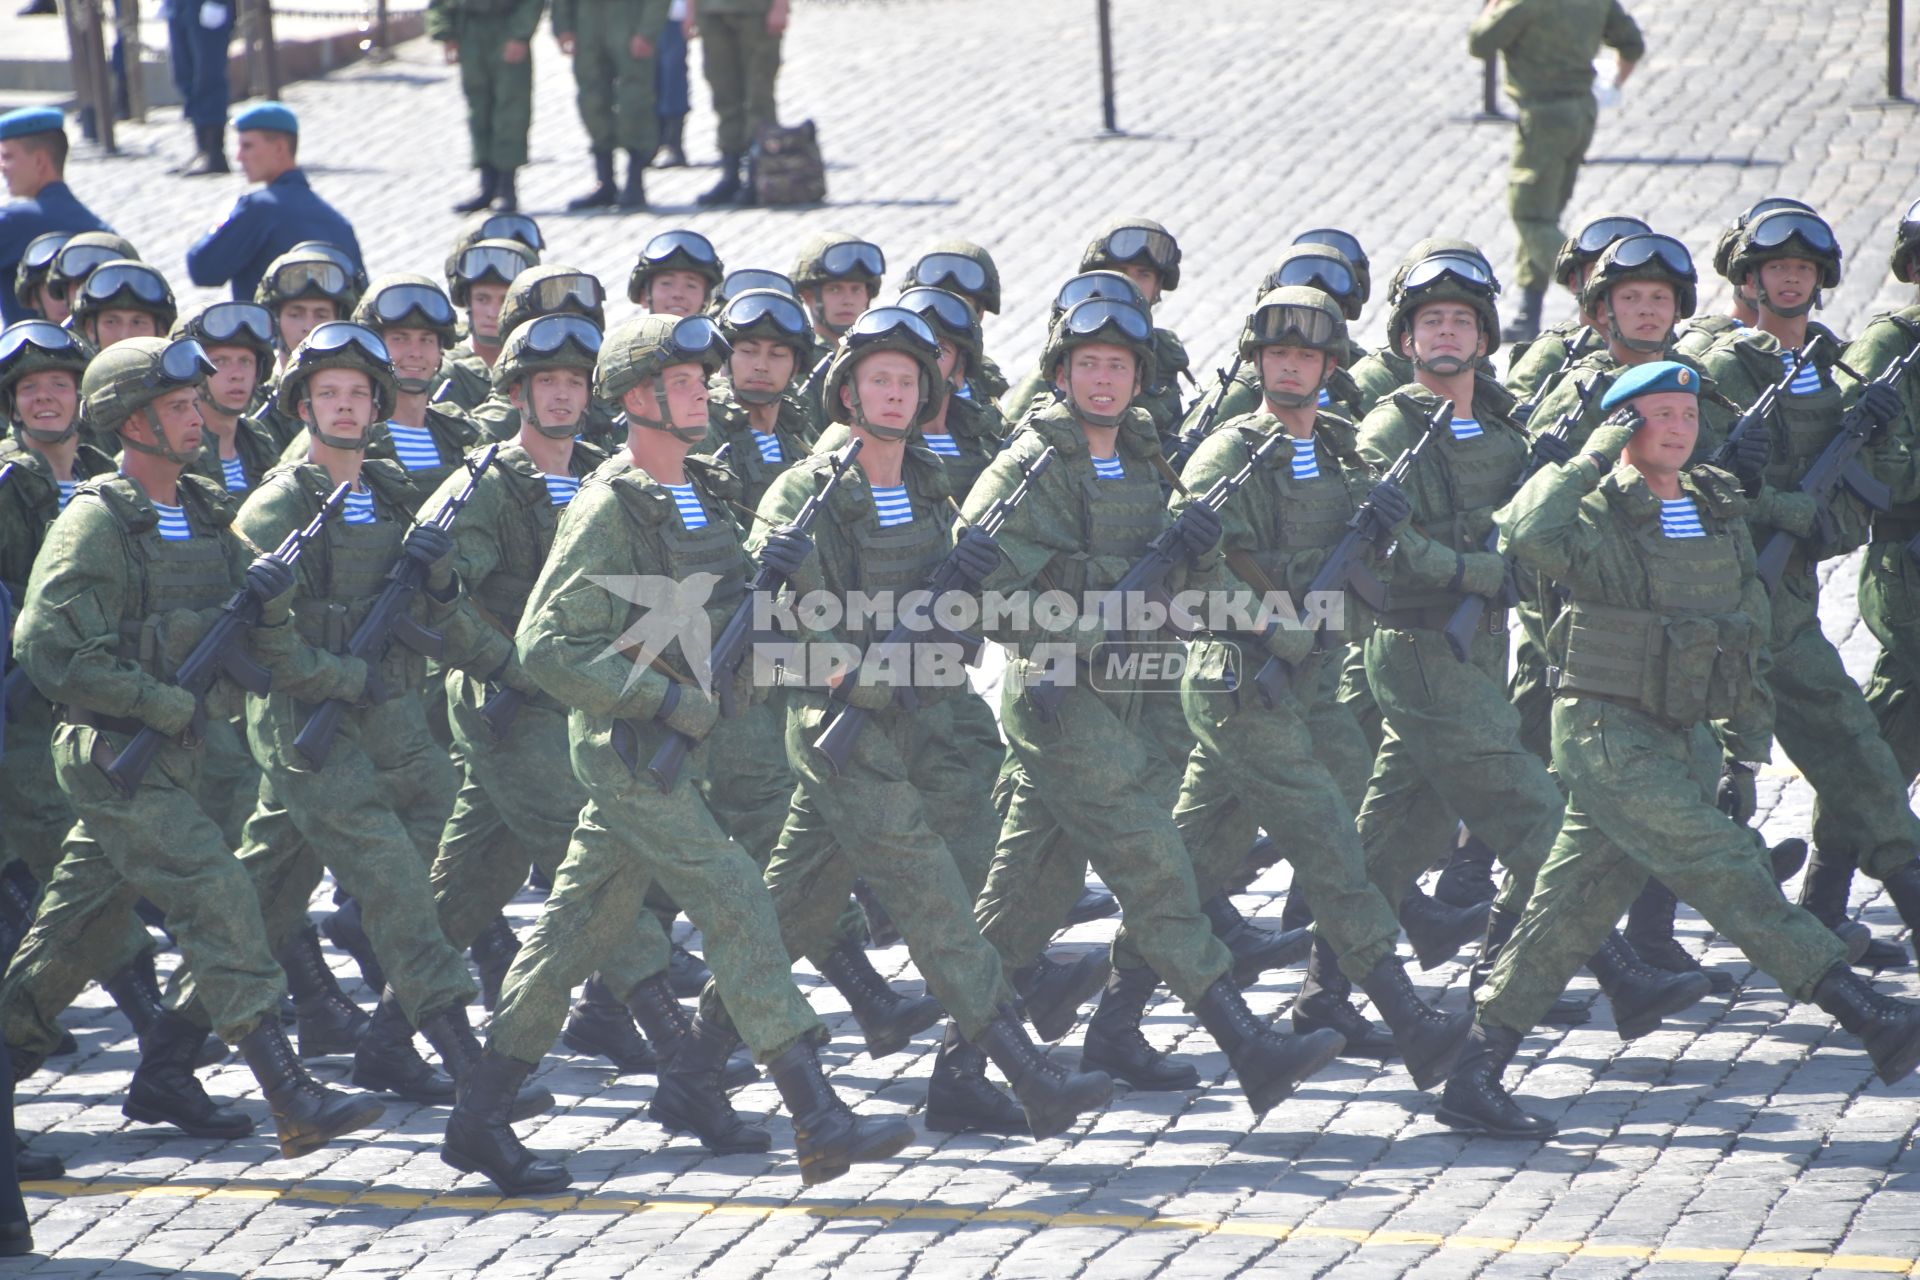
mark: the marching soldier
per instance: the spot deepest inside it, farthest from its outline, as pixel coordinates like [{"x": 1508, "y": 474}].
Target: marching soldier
[{"x": 478, "y": 275}]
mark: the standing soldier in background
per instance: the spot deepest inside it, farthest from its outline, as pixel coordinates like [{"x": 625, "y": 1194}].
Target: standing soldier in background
[
  {"x": 612, "y": 44},
  {"x": 1549, "y": 47},
  {"x": 492, "y": 41},
  {"x": 741, "y": 58}
]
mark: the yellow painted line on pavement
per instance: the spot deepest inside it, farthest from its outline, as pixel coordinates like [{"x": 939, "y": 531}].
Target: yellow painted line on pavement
[{"x": 888, "y": 1214}]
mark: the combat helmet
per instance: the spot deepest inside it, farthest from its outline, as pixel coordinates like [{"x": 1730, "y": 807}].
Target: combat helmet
[
  {"x": 38, "y": 346},
  {"x": 637, "y": 350},
  {"x": 1644, "y": 256},
  {"x": 1348, "y": 246},
  {"x": 889, "y": 328},
  {"x": 1109, "y": 321},
  {"x": 547, "y": 342},
  {"x": 771, "y": 315},
  {"x": 1447, "y": 276},
  {"x": 129, "y": 376},
  {"x": 962, "y": 267},
  {"x": 1584, "y": 247},
  {"x": 553, "y": 290},
  {"x": 835, "y": 255},
  {"x": 679, "y": 250},
  {"x": 1317, "y": 266},
  {"x": 1723, "y": 247},
  {"x": 1135, "y": 240},
  {"x": 124, "y": 284},
  {"x": 949, "y": 316},
  {"x": 231, "y": 324},
  {"x": 36, "y": 261},
  {"x": 338, "y": 344},
  {"x": 314, "y": 271},
  {"x": 499, "y": 260},
  {"x": 1785, "y": 233}
]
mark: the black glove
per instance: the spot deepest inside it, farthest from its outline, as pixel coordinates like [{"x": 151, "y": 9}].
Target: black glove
[
  {"x": 1199, "y": 529},
  {"x": 1751, "y": 453},
  {"x": 1737, "y": 795},
  {"x": 1882, "y": 405},
  {"x": 1550, "y": 448},
  {"x": 785, "y": 550},
  {"x": 976, "y": 555},
  {"x": 268, "y": 579},
  {"x": 432, "y": 547},
  {"x": 1390, "y": 509}
]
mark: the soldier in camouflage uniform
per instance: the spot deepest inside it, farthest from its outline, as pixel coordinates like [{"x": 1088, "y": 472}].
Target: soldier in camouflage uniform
[
  {"x": 887, "y": 526},
  {"x": 125, "y": 586},
  {"x": 1088, "y": 763},
  {"x": 752, "y": 412},
  {"x": 740, "y": 54},
  {"x": 645, "y": 511},
  {"x": 544, "y": 291},
  {"x": 302, "y": 288},
  {"x": 372, "y": 809},
  {"x": 838, "y": 278},
  {"x": 1452, "y": 744},
  {"x": 478, "y": 274},
  {"x": 612, "y": 45},
  {"x": 1701, "y": 332},
  {"x": 492, "y": 41},
  {"x": 676, "y": 274},
  {"x": 1535, "y": 366},
  {"x": 122, "y": 299},
  {"x": 1659, "y": 566},
  {"x": 1261, "y": 762},
  {"x": 1862, "y": 814},
  {"x": 1888, "y": 574},
  {"x": 1381, "y": 372},
  {"x": 1548, "y": 47},
  {"x": 965, "y": 268}
]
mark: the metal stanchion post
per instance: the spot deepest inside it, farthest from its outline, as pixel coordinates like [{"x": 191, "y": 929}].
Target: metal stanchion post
[
  {"x": 1896, "y": 51},
  {"x": 1107, "y": 112},
  {"x": 1490, "y": 90},
  {"x": 126, "y": 22}
]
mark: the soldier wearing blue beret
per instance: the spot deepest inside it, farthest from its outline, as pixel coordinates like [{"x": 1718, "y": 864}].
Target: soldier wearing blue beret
[
  {"x": 266, "y": 223},
  {"x": 33, "y": 159}
]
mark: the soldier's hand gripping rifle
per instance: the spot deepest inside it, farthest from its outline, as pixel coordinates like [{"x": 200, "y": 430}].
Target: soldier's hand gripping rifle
[
  {"x": 917, "y": 624},
  {"x": 732, "y": 646},
  {"x": 390, "y": 619},
  {"x": 1763, "y": 406},
  {"x": 1344, "y": 566},
  {"x": 1466, "y": 616},
  {"x": 219, "y": 653}
]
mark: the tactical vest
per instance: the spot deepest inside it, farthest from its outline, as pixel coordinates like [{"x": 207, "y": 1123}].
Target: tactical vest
[
  {"x": 713, "y": 549},
  {"x": 1692, "y": 654},
  {"x": 756, "y": 474},
  {"x": 192, "y": 573},
  {"x": 1117, "y": 519},
  {"x": 972, "y": 428},
  {"x": 1310, "y": 515},
  {"x": 1802, "y": 427},
  {"x": 1901, "y": 524},
  {"x": 347, "y": 566},
  {"x": 898, "y": 559},
  {"x": 526, "y": 521},
  {"x": 1478, "y": 477}
]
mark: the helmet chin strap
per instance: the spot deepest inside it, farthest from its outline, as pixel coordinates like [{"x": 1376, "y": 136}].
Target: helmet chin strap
[
  {"x": 889, "y": 434},
  {"x": 351, "y": 444},
  {"x": 224, "y": 410},
  {"x": 414, "y": 386},
  {"x": 164, "y": 449},
  {"x": 755, "y": 397},
  {"x": 1440, "y": 366},
  {"x": 532, "y": 416},
  {"x": 685, "y": 435},
  {"x": 1639, "y": 346},
  {"x": 40, "y": 435},
  {"x": 1760, "y": 299}
]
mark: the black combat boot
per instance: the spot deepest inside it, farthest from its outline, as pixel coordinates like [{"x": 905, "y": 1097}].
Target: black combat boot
[
  {"x": 1824, "y": 893},
  {"x": 727, "y": 190},
  {"x": 1429, "y": 1040},
  {"x": 505, "y": 198},
  {"x": 387, "y": 1062},
  {"x": 1052, "y": 1096},
  {"x": 960, "y": 1098},
  {"x": 164, "y": 1089},
  {"x": 1325, "y": 1003},
  {"x": 604, "y": 193},
  {"x": 1436, "y": 930},
  {"x": 1476, "y": 1102},
  {"x": 1053, "y": 992},
  {"x": 493, "y": 952},
  {"x": 307, "y": 1114},
  {"x": 1786, "y": 858},
  {"x": 691, "y": 1099},
  {"x": 881, "y": 931},
  {"x": 345, "y": 931},
  {"x": 480, "y": 1136},
  {"x": 136, "y": 993},
  {"x": 1890, "y": 1027},
  {"x": 1116, "y": 1045},
  {"x": 1269, "y": 1064},
  {"x": 1640, "y": 994},
  {"x": 210, "y": 157},
  {"x": 600, "y": 1025},
  {"x": 687, "y": 973},
  {"x": 1500, "y": 926},
  {"x": 1525, "y": 325},
  {"x": 328, "y": 1022},
  {"x": 1298, "y": 913},
  {"x": 828, "y": 1138},
  {"x": 489, "y": 187},
  {"x": 35, "y": 1166},
  {"x": 451, "y": 1036},
  {"x": 1255, "y": 950},
  {"x": 1095, "y": 904},
  {"x": 673, "y": 151},
  {"x": 1650, "y": 932},
  {"x": 666, "y": 1023},
  {"x": 888, "y": 1019},
  {"x": 633, "y": 195},
  {"x": 1467, "y": 880}
]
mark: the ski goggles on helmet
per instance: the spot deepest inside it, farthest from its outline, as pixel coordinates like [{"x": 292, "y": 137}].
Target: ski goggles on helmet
[
  {"x": 489, "y": 262},
  {"x": 738, "y": 282},
  {"x": 134, "y": 281},
  {"x": 1143, "y": 244},
  {"x": 1323, "y": 274},
  {"x": 579, "y": 289},
  {"x": 1639, "y": 250},
  {"x": 939, "y": 270},
  {"x": 340, "y": 335},
  {"x": 397, "y": 303},
  {"x": 17, "y": 341},
  {"x": 75, "y": 263},
  {"x": 233, "y": 322},
  {"x": 1098, "y": 284},
  {"x": 182, "y": 362},
  {"x": 853, "y": 258},
  {"x": 43, "y": 249},
  {"x": 513, "y": 226},
  {"x": 1462, "y": 268},
  {"x": 1782, "y": 226},
  {"x": 688, "y": 246},
  {"x": 1103, "y": 315},
  {"x": 948, "y": 310},
  {"x": 697, "y": 338},
  {"x": 549, "y": 334},
  {"x": 1340, "y": 241},
  {"x": 758, "y": 307},
  {"x": 1290, "y": 324},
  {"x": 325, "y": 278},
  {"x": 891, "y": 322},
  {"x": 1601, "y": 232}
]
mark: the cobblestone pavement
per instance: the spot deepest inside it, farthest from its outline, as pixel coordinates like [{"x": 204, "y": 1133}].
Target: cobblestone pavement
[{"x": 1746, "y": 1138}]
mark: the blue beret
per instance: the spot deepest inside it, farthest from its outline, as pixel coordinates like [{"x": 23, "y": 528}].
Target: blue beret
[
  {"x": 276, "y": 116},
  {"x": 28, "y": 121},
  {"x": 1649, "y": 379}
]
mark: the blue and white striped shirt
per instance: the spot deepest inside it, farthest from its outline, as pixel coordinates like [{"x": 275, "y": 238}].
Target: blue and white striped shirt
[
  {"x": 1306, "y": 466},
  {"x": 1679, "y": 518},
  {"x": 414, "y": 447},
  {"x": 1466, "y": 429},
  {"x": 173, "y": 523},
  {"x": 687, "y": 502},
  {"x": 66, "y": 491},
  {"x": 1110, "y": 468},
  {"x": 561, "y": 489},
  {"x": 769, "y": 446},
  {"x": 892, "y": 504},
  {"x": 1807, "y": 381},
  {"x": 358, "y": 508},
  {"x": 944, "y": 445},
  {"x": 234, "y": 474}
]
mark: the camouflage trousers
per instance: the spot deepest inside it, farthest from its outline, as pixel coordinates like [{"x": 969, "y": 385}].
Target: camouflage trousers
[
  {"x": 1640, "y": 803},
  {"x": 37, "y": 813},
  {"x": 1255, "y": 765},
  {"x": 159, "y": 845},
  {"x": 1548, "y": 146},
  {"x": 628, "y": 836}
]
